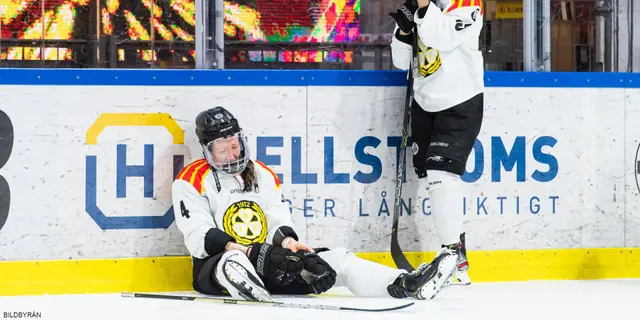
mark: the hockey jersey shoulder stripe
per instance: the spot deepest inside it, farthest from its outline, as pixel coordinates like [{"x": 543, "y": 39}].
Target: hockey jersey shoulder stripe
[
  {"x": 189, "y": 169},
  {"x": 195, "y": 173},
  {"x": 455, "y": 4},
  {"x": 275, "y": 176},
  {"x": 200, "y": 174}
]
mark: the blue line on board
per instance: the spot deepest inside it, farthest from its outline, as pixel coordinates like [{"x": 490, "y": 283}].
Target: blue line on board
[{"x": 157, "y": 77}]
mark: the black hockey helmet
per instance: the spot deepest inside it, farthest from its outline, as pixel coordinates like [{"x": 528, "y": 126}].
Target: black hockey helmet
[
  {"x": 221, "y": 137},
  {"x": 215, "y": 123}
]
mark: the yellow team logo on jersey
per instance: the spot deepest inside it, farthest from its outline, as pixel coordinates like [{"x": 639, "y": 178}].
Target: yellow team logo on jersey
[
  {"x": 428, "y": 59},
  {"x": 245, "y": 222}
]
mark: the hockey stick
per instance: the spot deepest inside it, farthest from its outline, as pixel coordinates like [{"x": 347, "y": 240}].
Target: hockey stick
[
  {"x": 279, "y": 304},
  {"x": 396, "y": 252}
]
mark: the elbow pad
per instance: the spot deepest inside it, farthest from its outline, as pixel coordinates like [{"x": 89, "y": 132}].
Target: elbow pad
[{"x": 215, "y": 241}]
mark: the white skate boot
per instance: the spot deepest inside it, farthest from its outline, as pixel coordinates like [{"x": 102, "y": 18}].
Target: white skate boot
[
  {"x": 427, "y": 280},
  {"x": 461, "y": 273},
  {"x": 235, "y": 273}
]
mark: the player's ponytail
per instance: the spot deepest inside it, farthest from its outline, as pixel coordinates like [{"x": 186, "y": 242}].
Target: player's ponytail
[{"x": 249, "y": 177}]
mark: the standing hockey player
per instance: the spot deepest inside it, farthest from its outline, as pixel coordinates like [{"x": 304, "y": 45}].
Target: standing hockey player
[
  {"x": 238, "y": 229},
  {"x": 447, "y": 109}
]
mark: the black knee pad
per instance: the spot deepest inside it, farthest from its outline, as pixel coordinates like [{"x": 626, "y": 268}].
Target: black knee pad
[{"x": 441, "y": 163}]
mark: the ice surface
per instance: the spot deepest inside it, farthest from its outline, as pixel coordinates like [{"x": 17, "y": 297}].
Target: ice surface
[{"x": 540, "y": 300}]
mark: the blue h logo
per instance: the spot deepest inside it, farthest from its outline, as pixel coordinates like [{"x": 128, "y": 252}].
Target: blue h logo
[{"x": 123, "y": 171}]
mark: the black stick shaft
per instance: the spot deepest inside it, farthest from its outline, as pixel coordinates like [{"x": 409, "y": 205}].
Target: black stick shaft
[
  {"x": 396, "y": 251},
  {"x": 279, "y": 304}
]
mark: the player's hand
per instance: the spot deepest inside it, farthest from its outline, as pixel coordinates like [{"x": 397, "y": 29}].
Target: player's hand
[
  {"x": 279, "y": 265},
  {"x": 404, "y": 16},
  {"x": 317, "y": 272},
  {"x": 294, "y": 245}
]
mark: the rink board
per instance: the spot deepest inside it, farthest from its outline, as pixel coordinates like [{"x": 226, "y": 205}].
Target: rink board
[
  {"x": 162, "y": 274},
  {"x": 552, "y": 181}
]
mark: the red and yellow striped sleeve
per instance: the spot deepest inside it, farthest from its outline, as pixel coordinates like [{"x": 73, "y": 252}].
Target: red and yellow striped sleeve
[
  {"x": 275, "y": 176},
  {"x": 455, "y": 4},
  {"x": 195, "y": 173}
]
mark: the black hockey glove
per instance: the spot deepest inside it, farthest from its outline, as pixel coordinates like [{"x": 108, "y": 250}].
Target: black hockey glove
[
  {"x": 404, "y": 16},
  {"x": 317, "y": 272},
  {"x": 279, "y": 265}
]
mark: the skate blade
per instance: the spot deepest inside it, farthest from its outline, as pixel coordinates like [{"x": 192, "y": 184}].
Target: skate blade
[
  {"x": 445, "y": 271},
  {"x": 459, "y": 278},
  {"x": 238, "y": 276}
]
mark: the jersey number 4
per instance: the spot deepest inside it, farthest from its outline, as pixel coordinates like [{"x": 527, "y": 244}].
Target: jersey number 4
[{"x": 184, "y": 211}]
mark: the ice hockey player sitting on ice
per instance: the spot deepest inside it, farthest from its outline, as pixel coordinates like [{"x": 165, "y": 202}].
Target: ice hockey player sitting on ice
[{"x": 238, "y": 230}]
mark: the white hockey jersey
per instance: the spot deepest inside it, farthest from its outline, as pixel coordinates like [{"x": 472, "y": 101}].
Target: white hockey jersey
[
  {"x": 248, "y": 217},
  {"x": 450, "y": 65}
]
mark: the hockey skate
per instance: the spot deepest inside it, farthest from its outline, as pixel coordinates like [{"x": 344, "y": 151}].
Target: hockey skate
[
  {"x": 426, "y": 281},
  {"x": 246, "y": 284},
  {"x": 461, "y": 273}
]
